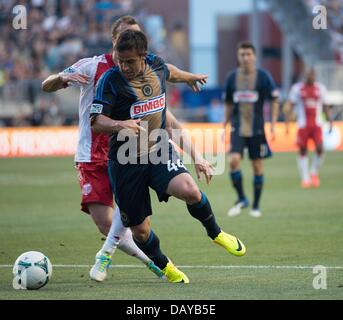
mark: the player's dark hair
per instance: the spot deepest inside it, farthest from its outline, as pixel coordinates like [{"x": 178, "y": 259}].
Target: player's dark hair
[
  {"x": 122, "y": 20},
  {"x": 132, "y": 40},
  {"x": 246, "y": 45}
]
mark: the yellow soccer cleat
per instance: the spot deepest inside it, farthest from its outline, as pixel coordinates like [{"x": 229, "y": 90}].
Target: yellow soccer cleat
[
  {"x": 230, "y": 243},
  {"x": 174, "y": 275}
]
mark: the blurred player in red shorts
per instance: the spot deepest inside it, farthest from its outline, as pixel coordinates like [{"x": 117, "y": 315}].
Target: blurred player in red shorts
[{"x": 308, "y": 99}]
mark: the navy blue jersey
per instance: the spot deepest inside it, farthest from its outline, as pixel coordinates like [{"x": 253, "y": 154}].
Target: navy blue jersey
[
  {"x": 247, "y": 94},
  {"x": 141, "y": 98}
]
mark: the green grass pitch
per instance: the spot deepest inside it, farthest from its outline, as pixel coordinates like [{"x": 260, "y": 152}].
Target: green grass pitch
[{"x": 39, "y": 210}]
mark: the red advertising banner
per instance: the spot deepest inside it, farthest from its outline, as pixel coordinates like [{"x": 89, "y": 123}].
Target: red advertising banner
[{"x": 62, "y": 141}]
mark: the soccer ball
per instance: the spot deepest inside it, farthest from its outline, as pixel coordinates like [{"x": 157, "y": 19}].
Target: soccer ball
[{"x": 32, "y": 270}]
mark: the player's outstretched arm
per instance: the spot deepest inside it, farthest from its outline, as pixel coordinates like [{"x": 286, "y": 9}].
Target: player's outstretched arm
[
  {"x": 177, "y": 133},
  {"x": 106, "y": 125},
  {"x": 60, "y": 80},
  {"x": 177, "y": 75}
]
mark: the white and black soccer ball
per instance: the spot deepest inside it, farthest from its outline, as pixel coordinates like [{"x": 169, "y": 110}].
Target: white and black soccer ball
[{"x": 32, "y": 270}]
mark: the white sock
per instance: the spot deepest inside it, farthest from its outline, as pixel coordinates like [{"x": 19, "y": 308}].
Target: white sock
[
  {"x": 303, "y": 168},
  {"x": 316, "y": 163},
  {"x": 121, "y": 237},
  {"x": 129, "y": 246},
  {"x": 116, "y": 233}
]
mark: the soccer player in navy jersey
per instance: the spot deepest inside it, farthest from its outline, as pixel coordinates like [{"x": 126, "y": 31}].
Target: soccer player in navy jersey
[
  {"x": 246, "y": 90},
  {"x": 91, "y": 157},
  {"x": 130, "y": 105}
]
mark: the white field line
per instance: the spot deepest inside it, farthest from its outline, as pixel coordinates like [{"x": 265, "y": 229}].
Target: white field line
[{"x": 191, "y": 267}]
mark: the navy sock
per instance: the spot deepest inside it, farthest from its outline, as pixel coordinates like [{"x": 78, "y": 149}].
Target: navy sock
[
  {"x": 202, "y": 211},
  {"x": 152, "y": 249},
  {"x": 237, "y": 182},
  {"x": 258, "y": 185}
]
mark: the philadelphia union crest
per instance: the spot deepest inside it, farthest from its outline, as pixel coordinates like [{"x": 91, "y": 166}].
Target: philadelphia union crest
[
  {"x": 124, "y": 218},
  {"x": 147, "y": 90}
]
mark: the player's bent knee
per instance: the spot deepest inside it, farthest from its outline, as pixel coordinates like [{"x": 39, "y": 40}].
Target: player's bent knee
[
  {"x": 191, "y": 193},
  {"x": 140, "y": 234},
  {"x": 234, "y": 162}
]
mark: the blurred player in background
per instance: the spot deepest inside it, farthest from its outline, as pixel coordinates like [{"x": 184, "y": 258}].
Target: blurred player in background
[
  {"x": 139, "y": 95},
  {"x": 91, "y": 157},
  {"x": 246, "y": 90},
  {"x": 308, "y": 98}
]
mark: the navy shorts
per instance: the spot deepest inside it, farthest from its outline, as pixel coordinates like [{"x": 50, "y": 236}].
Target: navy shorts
[
  {"x": 130, "y": 184},
  {"x": 258, "y": 147}
]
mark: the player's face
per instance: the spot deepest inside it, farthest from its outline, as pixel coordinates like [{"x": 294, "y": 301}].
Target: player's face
[
  {"x": 310, "y": 77},
  {"x": 131, "y": 64},
  {"x": 246, "y": 58}
]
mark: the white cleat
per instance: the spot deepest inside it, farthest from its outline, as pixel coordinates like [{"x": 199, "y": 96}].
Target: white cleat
[
  {"x": 237, "y": 208},
  {"x": 256, "y": 213},
  {"x": 102, "y": 262}
]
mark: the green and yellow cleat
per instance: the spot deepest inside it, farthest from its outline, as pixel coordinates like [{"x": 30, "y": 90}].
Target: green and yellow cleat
[
  {"x": 155, "y": 269},
  {"x": 173, "y": 274},
  {"x": 232, "y": 244}
]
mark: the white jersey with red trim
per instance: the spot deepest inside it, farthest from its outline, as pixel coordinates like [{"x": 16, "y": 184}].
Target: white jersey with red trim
[
  {"x": 308, "y": 101},
  {"x": 92, "y": 147}
]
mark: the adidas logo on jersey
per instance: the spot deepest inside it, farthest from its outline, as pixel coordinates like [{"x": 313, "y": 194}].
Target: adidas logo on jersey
[
  {"x": 69, "y": 70},
  {"x": 143, "y": 108}
]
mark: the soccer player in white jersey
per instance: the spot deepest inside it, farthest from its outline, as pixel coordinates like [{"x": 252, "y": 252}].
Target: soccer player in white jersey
[
  {"x": 92, "y": 155},
  {"x": 309, "y": 100}
]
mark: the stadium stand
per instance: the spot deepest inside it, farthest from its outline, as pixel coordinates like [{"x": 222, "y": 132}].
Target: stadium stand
[{"x": 61, "y": 32}]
